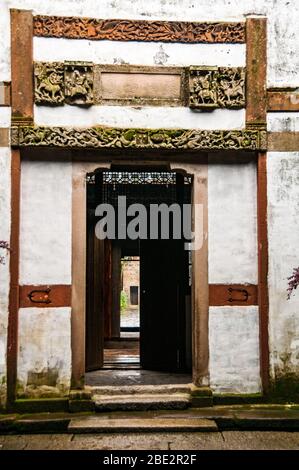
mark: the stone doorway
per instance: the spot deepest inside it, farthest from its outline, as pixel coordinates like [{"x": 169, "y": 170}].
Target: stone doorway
[{"x": 161, "y": 298}]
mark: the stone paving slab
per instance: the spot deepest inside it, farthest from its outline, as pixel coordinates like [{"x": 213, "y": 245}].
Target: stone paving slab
[
  {"x": 97, "y": 424},
  {"x": 228, "y": 440}
]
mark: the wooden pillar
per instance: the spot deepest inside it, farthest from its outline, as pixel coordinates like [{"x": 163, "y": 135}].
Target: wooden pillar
[
  {"x": 263, "y": 299},
  {"x": 256, "y": 116},
  {"x": 79, "y": 268},
  {"x": 200, "y": 281},
  {"x": 256, "y": 71},
  {"x": 78, "y": 274},
  {"x": 12, "y": 334},
  {"x": 22, "y": 111},
  {"x": 21, "y": 65}
]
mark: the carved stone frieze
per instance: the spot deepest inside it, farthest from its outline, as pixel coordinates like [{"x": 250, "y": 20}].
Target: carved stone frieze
[
  {"x": 58, "y": 83},
  {"x": 216, "y": 87},
  {"x": 173, "y": 139},
  {"x": 138, "y": 30}
]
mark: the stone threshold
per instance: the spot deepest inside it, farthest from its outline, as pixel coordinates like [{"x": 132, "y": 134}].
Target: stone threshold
[{"x": 218, "y": 418}]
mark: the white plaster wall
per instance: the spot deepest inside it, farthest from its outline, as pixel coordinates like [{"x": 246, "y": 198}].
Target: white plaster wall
[
  {"x": 283, "y": 229},
  {"x": 283, "y": 122},
  {"x": 232, "y": 223},
  {"x": 47, "y": 352},
  {"x": 139, "y": 53},
  {"x": 283, "y": 46},
  {"x": 234, "y": 349},
  {"x": 4, "y": 268},
  {"x": 140, "y": 117},
  {"x": 5, "y": 113},
  {"x": 45, "y": 226}
]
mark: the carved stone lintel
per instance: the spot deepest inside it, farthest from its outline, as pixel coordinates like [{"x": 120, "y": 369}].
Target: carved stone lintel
[
  {"x": 216, "y": 87},
  {"x": 138, "y": 30},
  {"x": 172, "y": 139},
  {"x": 57, "y": 83}
]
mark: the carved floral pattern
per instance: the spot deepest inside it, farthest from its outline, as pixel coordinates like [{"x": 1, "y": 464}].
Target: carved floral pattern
[
  {"x": 216, "y": 87},
  {"x": 138, "y": 30},
  {"x": 97, "y": 137}
]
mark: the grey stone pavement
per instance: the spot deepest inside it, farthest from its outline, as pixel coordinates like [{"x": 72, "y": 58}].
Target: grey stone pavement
[{"x": 227, "y": 440}]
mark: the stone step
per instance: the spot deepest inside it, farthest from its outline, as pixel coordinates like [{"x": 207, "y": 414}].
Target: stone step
[
  {"x": 167, "y": 389},
  {"x": 96, "y": 424},
  {"x": 141, "y": 402}
]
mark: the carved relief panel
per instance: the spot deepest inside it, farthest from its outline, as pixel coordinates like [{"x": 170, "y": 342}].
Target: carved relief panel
[
  {"x": 49, "y": 83},
  {"x": 78, "y": 83},
  {"x": 83, "y": 83},
  {"x": 58, "y": 83},
  {"x": 216, "y": 87}
]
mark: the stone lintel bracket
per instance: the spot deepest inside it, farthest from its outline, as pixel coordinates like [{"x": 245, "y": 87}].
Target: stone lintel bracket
[
  {"x": 161, "y": 139},
  {"x": 216, "y": 87},
  {"x": 57, "y": 83}
]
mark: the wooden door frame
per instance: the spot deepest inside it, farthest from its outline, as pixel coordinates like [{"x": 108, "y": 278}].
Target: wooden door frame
[{"x": 200, "y": 297}]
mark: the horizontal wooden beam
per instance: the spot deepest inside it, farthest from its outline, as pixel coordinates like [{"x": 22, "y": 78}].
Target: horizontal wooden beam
[
  {"x": 72, "y": 27},
  {"x": 283, "y": 141},
  {"x": 232, "y": 294},
  {"x": 45, "y": 296},
  {"x": 283, "y": 100},
  {"x": 132, "y": 138}
]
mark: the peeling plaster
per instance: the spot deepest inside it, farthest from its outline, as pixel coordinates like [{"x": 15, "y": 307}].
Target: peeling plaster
[{"x": 234, "y": 350}]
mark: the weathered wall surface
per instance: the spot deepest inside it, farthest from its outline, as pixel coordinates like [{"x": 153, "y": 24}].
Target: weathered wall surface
[
  {"x": 45, "y": 258},
  {"x": 234, "y": 331},
  {"x": 4, "y": 266},
  {"x": 283, "y": 47},
  {"x": 234, "y": 350},
  {"x": 4, "y": 254},
  {"x": 45, "y": 229},
  {"x": 139, "y": 117},
  {"x": 283, "y": 226},
  {"x": 130, "y": 276},
  {"x": 232, "y": 223},
  {"x": 44, "y": 357}
]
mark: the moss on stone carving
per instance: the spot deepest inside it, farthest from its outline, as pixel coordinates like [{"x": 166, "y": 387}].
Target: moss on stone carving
[{"x": 171, "y": 139}]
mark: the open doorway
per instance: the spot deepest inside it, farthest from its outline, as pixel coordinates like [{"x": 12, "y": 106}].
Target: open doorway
[
  {"x": 123, "y": 351},
  {"x": 138, "y": 299}
]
